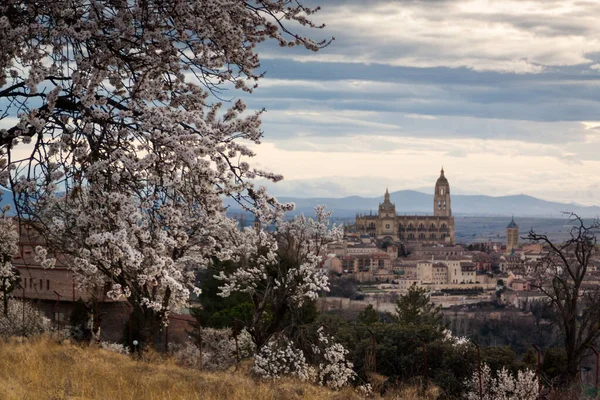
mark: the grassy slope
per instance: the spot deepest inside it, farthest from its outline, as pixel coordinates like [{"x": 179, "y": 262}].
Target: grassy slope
[{"x": 42, "y": 369}]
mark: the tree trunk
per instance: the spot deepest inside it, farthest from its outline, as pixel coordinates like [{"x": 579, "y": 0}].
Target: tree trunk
[{"x": 572, "y": 368}]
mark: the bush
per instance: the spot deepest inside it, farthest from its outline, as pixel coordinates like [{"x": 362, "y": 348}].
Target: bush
[
  {"x": 218, "y": 351},
  {"x": 503, "y": 385},
  {"x": 13, "y": 324},
  {"x": 280, "y": 358},
  {"x": 245, "y": 344}
]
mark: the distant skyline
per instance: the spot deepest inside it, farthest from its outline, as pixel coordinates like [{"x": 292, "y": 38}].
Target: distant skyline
[{"x": 504, "y": 94}]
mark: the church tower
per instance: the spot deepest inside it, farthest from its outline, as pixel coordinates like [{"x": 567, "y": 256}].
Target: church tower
[
  {"x": 387, "y": 208},
  {"x": 441, "y": 197},
  {"x": 512, "y": 236}
]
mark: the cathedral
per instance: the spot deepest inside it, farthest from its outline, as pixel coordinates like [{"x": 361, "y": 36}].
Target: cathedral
[{"x": 436, "y": 228}]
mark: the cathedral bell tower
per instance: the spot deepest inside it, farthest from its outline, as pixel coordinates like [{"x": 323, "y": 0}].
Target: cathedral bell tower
[
  {"x": 512, "y": 236},
  {"x": 441, "y": 197}
]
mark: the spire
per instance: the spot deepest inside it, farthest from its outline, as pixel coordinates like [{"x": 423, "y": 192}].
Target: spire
[
  {"x": 442, "y": 171},
  {"x": 386, "y": 197}
]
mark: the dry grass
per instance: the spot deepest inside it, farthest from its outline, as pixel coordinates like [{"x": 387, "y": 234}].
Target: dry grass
[{"x": 43, "y": 369}]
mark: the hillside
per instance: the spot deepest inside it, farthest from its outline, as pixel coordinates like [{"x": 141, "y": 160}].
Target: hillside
[{"x": 43, "y": 369}]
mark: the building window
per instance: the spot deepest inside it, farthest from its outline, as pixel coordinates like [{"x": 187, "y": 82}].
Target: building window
[
  {"x": 47, "y": 284},
  {"x": 41, "y": 284}
]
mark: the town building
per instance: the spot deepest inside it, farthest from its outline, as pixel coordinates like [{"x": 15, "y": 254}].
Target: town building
[{"x": 388, "y": 226}]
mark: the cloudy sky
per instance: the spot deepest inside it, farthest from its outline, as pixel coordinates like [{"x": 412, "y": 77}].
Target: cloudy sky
[{"x": 503, "y": 94}]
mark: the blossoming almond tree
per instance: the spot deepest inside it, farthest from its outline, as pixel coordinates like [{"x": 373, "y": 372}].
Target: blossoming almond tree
[
  {"x": 121, "y": 154},
  {"x": 280, "y": 271}
]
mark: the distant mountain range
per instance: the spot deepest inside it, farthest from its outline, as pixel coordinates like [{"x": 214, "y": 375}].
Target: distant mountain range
[{"x": 410, "y": 202}]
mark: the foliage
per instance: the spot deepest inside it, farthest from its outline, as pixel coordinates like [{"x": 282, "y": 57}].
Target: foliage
[
  {"x": 518, "y": 332},
  {"x": 499, "y": 357},
  {"x": 216, "y": 311},
  {"x": 398, "y": 350},
  {"x": 415, "y": 308},
  {"x": 554, "y": 363},
  {"x": 529, "y": 359},
  {"x": 343, "y": 287},
  {"x": 22, "y": 319},
  {"x": 368, "y": 316},
  {"x": 450, "y": 363}
]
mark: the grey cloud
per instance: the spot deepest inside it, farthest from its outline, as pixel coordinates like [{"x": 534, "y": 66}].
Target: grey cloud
[
  {"x": 533, "y": 34},
  {"x": 457, "y": 153}
]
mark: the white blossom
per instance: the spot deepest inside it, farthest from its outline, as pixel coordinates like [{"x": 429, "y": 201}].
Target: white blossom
[
  {"x": 218, "y": 351},
  {"x": 118, "y": 348},
  {"x": 503, "y": 386},
  {"x": 9, "y": 238},
  {"x": 22, "y": 319},
  {"x": 280, "y": 358},
  {"x": 245, "y": 344},
  {"x": 456, "y": 341},
  {"x": 334, "y": 370}
]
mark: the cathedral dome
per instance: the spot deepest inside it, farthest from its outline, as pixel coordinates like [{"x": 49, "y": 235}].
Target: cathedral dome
[
  {"x": 387, "y": 205},
  {"x": 442, "y": 181}
]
